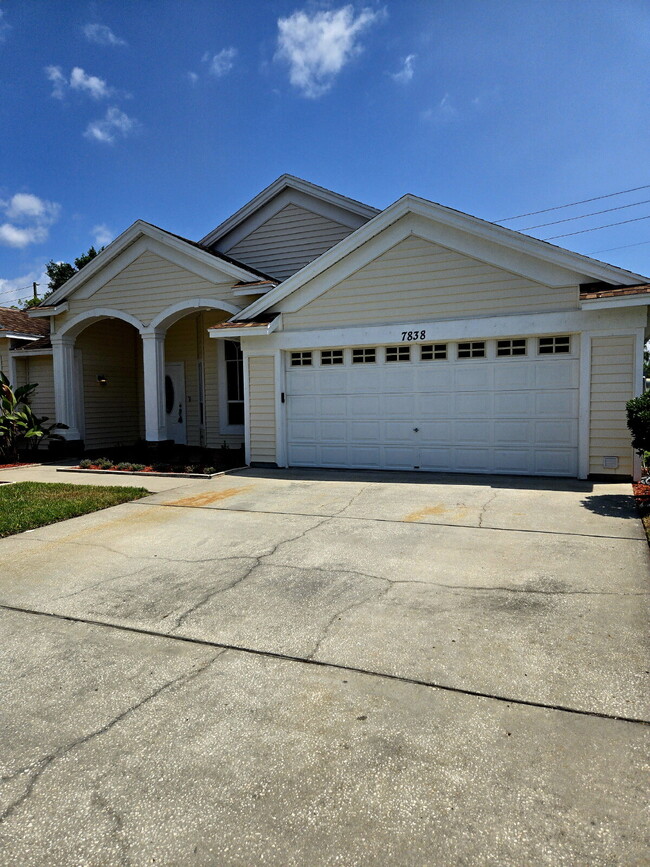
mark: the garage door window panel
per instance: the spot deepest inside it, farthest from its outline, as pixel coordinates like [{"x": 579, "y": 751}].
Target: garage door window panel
[
  {"x": 364, "y": 356},
  {"x": 558, "y": 345},
  {"x": 508, "y": 348},
  {"x": 471, "y": 349},
  {"x": 301, "y": 359},
  {"x": 433, "y": 352},
  {"x": 329, "y": 357},
  {"x": 398, "y": 353}
]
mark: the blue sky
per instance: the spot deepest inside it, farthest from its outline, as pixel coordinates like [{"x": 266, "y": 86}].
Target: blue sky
[{"x": 179, "y": 111}]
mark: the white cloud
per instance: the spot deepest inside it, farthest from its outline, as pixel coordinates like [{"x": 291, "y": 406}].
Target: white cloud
[
  {"x": 115, "y": 124},
  {"x": 79, "y": 80},
  {"x": 193, "y": 77},
  {"x": 4, "y": 26},
  {"x": 319, "y": 44},
  {"x": 444, "y": 112},
  {"x": 58, "y": 79},
  {"x": 221, "y": 63},
  {"x": 96, "y": 87},
  {"x": 102, "y": 235},
  {"x": 30, "y": 220},
  {"x": 406, "y": 72},
  {"x": 102, "y": 35}
]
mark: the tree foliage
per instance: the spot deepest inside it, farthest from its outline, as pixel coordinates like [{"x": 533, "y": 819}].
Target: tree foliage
[
  {"x": 638, "y": 421},
  {"x": 59, "y": 273}
]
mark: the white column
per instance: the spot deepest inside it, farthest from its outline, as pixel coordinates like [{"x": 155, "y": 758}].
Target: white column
[
  {"x": 65, "y": 389},
  {"x": 153, "y": 361}
]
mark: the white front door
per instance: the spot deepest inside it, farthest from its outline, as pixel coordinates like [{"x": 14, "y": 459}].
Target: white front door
[{"x": 175, "y": 402}]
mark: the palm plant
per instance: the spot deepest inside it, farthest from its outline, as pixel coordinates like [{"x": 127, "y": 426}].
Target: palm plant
[{"x": 20, "y": 427}]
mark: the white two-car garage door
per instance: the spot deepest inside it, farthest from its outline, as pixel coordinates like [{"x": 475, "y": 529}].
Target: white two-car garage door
[{"x": 506, "y": 406}]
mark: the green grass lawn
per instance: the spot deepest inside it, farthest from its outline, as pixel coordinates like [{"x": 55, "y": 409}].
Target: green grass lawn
[{"x": 27, "y": 505}]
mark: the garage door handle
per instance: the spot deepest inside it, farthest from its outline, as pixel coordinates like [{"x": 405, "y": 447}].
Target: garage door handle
[{"x": 416, "y": 429}]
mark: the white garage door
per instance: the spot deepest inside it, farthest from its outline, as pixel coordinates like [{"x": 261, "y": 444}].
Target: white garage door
[{"x": 445, "y": 407}]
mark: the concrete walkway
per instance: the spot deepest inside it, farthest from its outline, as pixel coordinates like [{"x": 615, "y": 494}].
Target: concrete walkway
[{"x": 325, "y": 668}]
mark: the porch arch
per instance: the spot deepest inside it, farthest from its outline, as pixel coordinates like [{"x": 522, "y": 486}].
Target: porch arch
[
  {"x": 174, "y": 312},
  {"x": 76, "y": 325}
]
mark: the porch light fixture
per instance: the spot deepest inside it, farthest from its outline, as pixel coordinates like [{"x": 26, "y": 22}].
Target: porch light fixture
[{"x": 101, "y": 379}]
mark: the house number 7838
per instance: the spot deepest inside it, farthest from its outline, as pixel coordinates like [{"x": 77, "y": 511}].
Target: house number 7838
[{"x": 414, "y": 335}]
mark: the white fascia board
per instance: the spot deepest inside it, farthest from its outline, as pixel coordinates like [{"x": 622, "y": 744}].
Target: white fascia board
[
  {"x": 441, "y": 330},
  {"x": 581, "y": 266},
  {"x": 210, "y": 264},
  {"x": 54, "y": 310},
  {"x": 21, "y": 353},
  {"x": 280, "y": 184},
  {"x": 246, "y": 331},
  {"x": 19, "y": 335},
  {"x": 249, "y": 291},
  {"x": 610, "y": 303}
]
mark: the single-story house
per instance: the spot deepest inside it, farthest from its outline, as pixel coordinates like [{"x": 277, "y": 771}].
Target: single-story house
[
  {"x": 323, "y": 332},
  {"x": 26, "y": 356}
]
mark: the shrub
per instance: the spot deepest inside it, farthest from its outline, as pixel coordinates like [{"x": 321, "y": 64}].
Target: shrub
[
  {"x": 124, "y": 466},
  {"x": 103, "y": 463},
  {"x": 137, "y": 468},
  {"x": 85, "y": 464},
  {"x": 209, "y": 470},
  {"x": 189, "y": 468},
  {"x": 20, "y": 428},
  {"x": 638, "y": 421}
]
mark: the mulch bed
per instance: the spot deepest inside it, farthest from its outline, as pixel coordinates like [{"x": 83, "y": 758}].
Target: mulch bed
[
  {"x": 11, "y": 466},
  {"x": 642, "y": 499}
]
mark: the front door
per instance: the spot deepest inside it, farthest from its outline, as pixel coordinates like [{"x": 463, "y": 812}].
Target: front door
[{"x": 175, "y": 402}]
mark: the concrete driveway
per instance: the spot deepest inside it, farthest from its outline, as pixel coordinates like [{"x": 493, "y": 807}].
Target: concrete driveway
[{"x": 329, "y": 668}]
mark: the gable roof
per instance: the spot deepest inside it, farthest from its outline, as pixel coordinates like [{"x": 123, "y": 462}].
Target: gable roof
[
  {"x": 220, "y": 261},
  {"x": 480, "y": 230},
  {"x": 299, "y": 185},
  {"x": 17, "y": 323}
]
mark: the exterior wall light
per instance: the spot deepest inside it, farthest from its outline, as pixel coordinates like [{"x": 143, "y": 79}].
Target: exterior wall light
[{"x": 101, "y": 379}]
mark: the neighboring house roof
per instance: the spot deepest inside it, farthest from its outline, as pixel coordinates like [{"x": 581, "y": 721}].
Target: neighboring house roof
[
  {"x": 34, "y": 345},
  {"x": 615, "y": 292},
  {"x": 17, "y": 324},
  {"x": 288, "y": 182},
  {"x": 455, "y": 225},
  {"x": 139, "y": 229}
]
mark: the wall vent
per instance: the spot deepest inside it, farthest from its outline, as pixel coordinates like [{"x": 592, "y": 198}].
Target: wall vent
[{"x": 610, "y": 462}]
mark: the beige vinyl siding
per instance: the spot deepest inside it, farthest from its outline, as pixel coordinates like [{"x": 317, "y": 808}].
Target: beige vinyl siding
[
  {"x": 113, "y": 413},
  {"x": 261, "y": 373},
  {"x": 4, "y": 356},
  {"x": 39, "y": 369},
  {"x": 148, "y": 286},
  {"x": 417, "y": 280},
  {"x": 612, "y": 385},
  {"x": 288, "y": 241}
]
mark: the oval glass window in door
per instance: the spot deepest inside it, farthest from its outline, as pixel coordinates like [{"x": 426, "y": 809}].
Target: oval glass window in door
[{"x": 169, "y": 394}]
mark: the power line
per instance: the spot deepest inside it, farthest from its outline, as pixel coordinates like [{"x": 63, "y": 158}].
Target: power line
[
  {"x": 571, "y": 204},
  {"x": 584, "y": 216},
  {"x": 595, "y": 229},
  {"x": 624, "y": 247}
]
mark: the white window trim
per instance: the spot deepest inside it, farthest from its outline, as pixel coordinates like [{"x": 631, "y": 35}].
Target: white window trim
[{"x": 225, "y": 428}]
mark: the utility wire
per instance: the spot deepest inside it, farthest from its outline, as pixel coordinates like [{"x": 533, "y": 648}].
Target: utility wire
[
  {"x": 595, "y": 229},
  {"x": 624, "y": 247},
  {"x": 584, "y": 216},
  {"x": 571, "y": 204}
]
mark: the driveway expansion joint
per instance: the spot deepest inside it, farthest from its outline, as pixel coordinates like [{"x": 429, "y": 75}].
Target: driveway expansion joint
[
  {"x": 340, "y": 517},
  {"x": 268, "y": 654}
]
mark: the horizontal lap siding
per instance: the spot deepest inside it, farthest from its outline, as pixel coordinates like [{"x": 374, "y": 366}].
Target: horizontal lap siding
[
  {"x": 40, "y": 371},
  {"x": 419, "y": 280},
  {"x": 612, "y": 385},
  {"x": 4, "y": 356},
  {"x": 113, "y": 412},
  {"x": 261, "y": 372},
  {"x": 288, "y": 241},
  {"x": 148, "y": 286}
]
